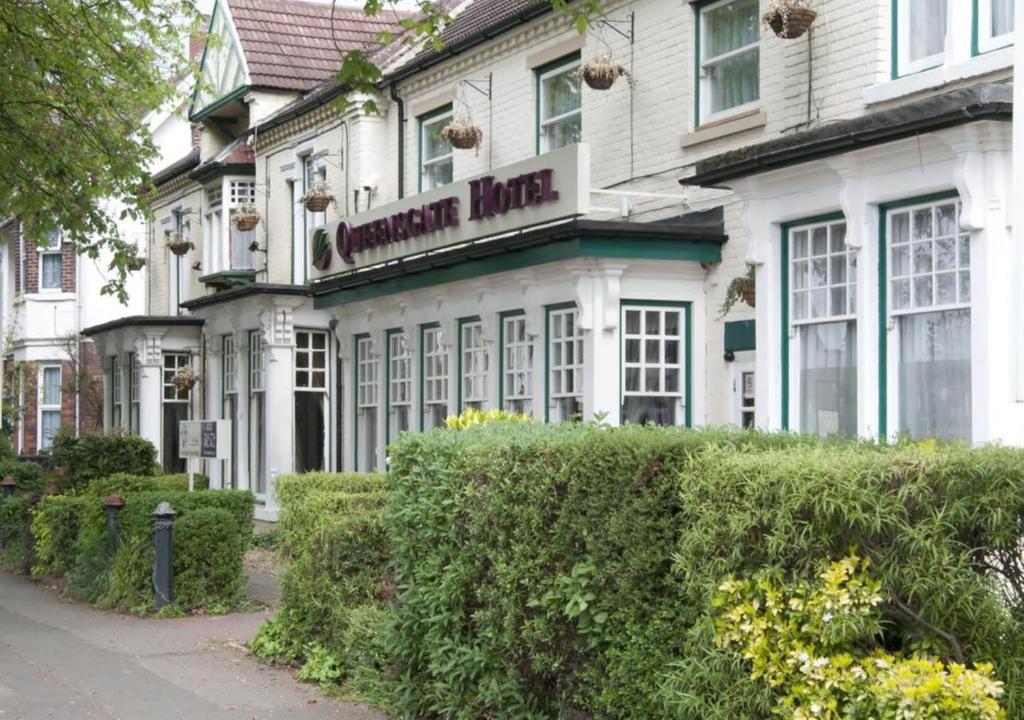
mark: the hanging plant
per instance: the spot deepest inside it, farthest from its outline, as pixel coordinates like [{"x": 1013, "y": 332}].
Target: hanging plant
[
  {"x": 789, "y": 19},
  {"x": 600, "y": 73},
  {"x": 742, "y": 288},
  {"x": 246, "y": 218},
  {"x": 184, "y": 379},
  {"x": 179, "y": 245},
  {"x": 318, "y": 197},
  {"x": 135, "y": 263},
  {"x": 463, "y": 134}
]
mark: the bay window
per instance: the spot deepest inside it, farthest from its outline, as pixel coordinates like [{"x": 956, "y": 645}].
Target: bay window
[
  {"x": 560, "y": 107},
  {"x": 133, "y": 393},
  {"x": 565, "y": 363},
  {"x": 310, "y": 400},
  {"x": 473, "y": 364},
  {"x": 434, "y": 368},
  {"x": 50, "y": 397},
  {"x": 516, "y": 365},
  {"x": 929, "y": 263},
  {"x": 257, "y": 412},
  {"x": 654, "y": 364},
  {"x": 823, "y": 304},
  {"x": 115, "y": 392},
  {"x": 437, "y": 160},
  {"x": 729, "y": 56},
  {"x": 229, "y": 407},
  {"x": 399, "y": 386},
  {"x": 175, "y": 409},
  {"x": 367, "y": 402},
  {"x": 242, "y": 192}
]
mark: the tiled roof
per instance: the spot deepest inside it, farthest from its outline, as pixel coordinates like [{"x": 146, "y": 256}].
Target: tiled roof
[
  {"x": 288, "y": 44},
  {"x": 176, "y": 168},
  {"x": 237, "y": 153}
]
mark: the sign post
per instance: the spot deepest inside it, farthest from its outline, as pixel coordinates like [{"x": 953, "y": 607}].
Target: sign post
[{"x": 208, "y": 439}]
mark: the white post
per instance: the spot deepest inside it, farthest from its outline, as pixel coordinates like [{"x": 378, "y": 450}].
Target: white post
[{"x": 1017, "y": 218}]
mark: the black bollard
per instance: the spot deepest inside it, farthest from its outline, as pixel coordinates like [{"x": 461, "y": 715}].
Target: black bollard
[
  {"x": 164, "y": 541},
  {"x": 114, "y": 503}
]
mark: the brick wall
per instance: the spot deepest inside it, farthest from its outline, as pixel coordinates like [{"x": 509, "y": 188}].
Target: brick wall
[{"x": 68, "y": 268}]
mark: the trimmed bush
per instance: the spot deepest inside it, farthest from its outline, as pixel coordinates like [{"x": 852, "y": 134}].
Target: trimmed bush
[
  {"x": 208, "y": 550},
  {"x": 569, "y": 571},
  {"x": 28, "y": 475},
  {"x": 16, "y": 526},
  {"x": 98, "y": 455},
  {"x": 55, "y": 530},
  {"x": 121, "y": 483},
  {"x": 292, "y": 488}
]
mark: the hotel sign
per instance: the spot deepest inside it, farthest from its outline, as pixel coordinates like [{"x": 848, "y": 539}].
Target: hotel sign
[{"x": 543, "y": 189}]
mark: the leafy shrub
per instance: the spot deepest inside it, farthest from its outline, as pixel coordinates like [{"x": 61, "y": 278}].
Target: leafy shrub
[
  {"x": 121, "y": 483},
  {"x": 16, "y": 528},
  {"x": 816, "y": 646},
  {"x": 291, "y": 489},
  {"x": 208, "y": 551},
  {"x": 471, "y": 416},
  {"x": 99, "y": 455},
  {"x": 28, "y": 475},
  {"x": 569, "y": 571},
  {"x": 55, "y": 531}
]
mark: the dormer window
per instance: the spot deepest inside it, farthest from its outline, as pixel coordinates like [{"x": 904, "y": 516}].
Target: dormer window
[{"x": 50, "y": 262}]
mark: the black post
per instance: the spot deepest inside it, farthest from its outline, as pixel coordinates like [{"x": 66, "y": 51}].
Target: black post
[
  {"x": 164, "y": 540},
  {"x": 8, "y": 485},
  {"x": 114, "y": 503}
]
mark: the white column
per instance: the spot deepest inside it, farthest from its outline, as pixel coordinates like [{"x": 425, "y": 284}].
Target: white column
[
  {"x": 597, "y": 295},
  {"x": 1017, "y": 217},
  {"x": 149, "y": 351},
  {"x": 279, "y": 422}
]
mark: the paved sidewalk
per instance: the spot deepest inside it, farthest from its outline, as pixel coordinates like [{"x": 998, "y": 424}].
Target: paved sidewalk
[{"x": 64, "y": 661}]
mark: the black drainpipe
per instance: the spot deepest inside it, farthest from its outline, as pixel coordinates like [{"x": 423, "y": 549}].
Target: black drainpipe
[{"x": 401, "y": 140}]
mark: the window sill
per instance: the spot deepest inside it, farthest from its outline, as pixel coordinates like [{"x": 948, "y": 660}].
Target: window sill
[
  {"x": 716, "y": 129},
  {"x": 49, "y": 296},
  {"x": 994, "y": 61}
]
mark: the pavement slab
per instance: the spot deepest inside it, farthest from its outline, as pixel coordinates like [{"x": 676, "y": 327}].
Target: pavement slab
[{"x": 61, "y": 660}]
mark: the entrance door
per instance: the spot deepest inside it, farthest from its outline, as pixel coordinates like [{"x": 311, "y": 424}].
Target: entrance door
[{"x": 311, "y": 400}]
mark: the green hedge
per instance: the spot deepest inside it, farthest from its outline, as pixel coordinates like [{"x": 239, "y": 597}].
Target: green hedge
[
  {"x": 55, "y": 527},
  {"x": 28, "y": 475},
  {"x": 334, "y": 593},
  {"x": 100, "y": 455},
  {"x": 567, "y": 571},
  {"x": 121, "y": 483},
  {"x": 17, "y": 552}
]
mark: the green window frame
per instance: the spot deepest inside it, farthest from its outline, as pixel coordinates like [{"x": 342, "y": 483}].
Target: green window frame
[
  {"x": 365, "y": 397},
  {"x": 433, "y": 385},
  {"x": 465, "y": 324},
  {"x": 685, "y": 337},
  {"x": 903, "y": 62},
  {"x": 569, "y": 371},
  {"x": 566, "y": 119},
  {"x": 987, "y": 14},
  {"x": 397, "y": 382},
  {"x": 705, "y": 65},
  {"x": 426, "y": 123},
  {"x": 515, "y": 358}
]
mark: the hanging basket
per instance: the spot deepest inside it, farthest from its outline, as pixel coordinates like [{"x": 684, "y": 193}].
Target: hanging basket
[
  {"x": 750, "y": 295},
  {"x": 462, "y": 134},
  {"x": 600, "y": 73},
  {"x": 179, "y": 247},
  {"x": 790, "y": 23},
  {"x": 184, "y": 379},
  {"x": 316, "y": 203},
  {"x": 246, "y": 218}
]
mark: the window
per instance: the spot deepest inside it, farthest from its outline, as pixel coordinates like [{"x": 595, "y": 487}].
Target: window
[
  {"x": 473, "y": 364},
  {"x": 930, "y": 300},
  {"x": 565, "y": 361},
  {"x": 516, "y": 365},
  {"x": 313, "y": 171},
  {"x": 823, "y": 309},
  {"x": 728, "y": 34},
  {"x": 257, "y": 406},
  {"x": 560, "y": 108},
  {"x": 175, "y": 409},
  {"x": 49, "y": 405},
  {"x": 229, "y": 407},
  {"x": 50, "y": 262},
  {"x": 435, "y": 378},
  {"x": 993, "y": 25},
  {"x": 399, "y": 384},
  {"x": 921, "y": 35},
  {"x": 310, "y": 400},
  {"x": 178, "y": 281},
  {"x": 133, "y": 393},
  {"x": 653, "y": 367},
  {"x": 437, "y": 164},
  {"x": 242, "y": 258},
  {"x": 747, "y": 399},
  {"x": 115, "y": 392},
  {"x": 367, "y": 402}
]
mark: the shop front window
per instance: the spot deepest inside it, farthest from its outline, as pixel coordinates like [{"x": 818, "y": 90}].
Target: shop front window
[
  {"x": 435, "y": 378},
  {"x": 930, "y": 300},
  {"x": 311, "y": 400},
  {"x": 474, "y": 364},
  {"x": 437, "y": 160},
  {"x": 367, "y": 404},
  {"x": 399, "y": 385},
  {"x": 516, "y": 366},
  {"x": 824, "y": 305},
  {"x": 565, "y": 361},
  {"x": 560, "y": 101},
  {"x": 728, "y": 34},
  {"x": 50, "y": 397},
  {"x": 653, "y": 365},
  {"x": 175, "y": 409}
]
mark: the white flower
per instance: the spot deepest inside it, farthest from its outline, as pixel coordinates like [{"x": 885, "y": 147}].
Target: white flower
[
  {"x": 821, "y": 662},
  {"x": 816, "y": 708},
  {"x": 827, "y": 617}
]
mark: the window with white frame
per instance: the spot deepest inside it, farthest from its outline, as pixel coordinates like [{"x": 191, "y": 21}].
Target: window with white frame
[
  {"x": 437, "y": 160},
  {"x": 367, "y": 404},
  {"x": 229, "y": 406},
  {"x": 175, "y": 409},
  {"x": 213, "y": 229},
  {"x": 314, "y": 170},
  {"x": 728, "y": 34},
  {"x": 653, "y": 365},
  {"x": 517, "y": 366},
  {"x": 566, "y": 364},
  {"x": 241, "y": 192},
  {"x": 824, "y": 306},
  {"x": 399, "y": 385},
  {"x": 474, "y": 359},
  {"x": 310, "y": 400},
  {"x": 133, "y": 393},
  {"x": 50, "y": 261},
  {"x": 435, "y": 379},
  {"x": 921, "y": 34},
  {"x": 994, "y": 24},
  {"x": 930, "y": 300},
  {"x": 178, "y": 281},
  {"x": 257, "y": 408},
  {"x": 115, "y": 392},
  {"x": 560, "y": 104},
  {"x": 50, "y": 396}
]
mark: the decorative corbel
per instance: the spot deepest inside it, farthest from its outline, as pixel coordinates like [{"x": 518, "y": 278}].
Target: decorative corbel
[
  {"x": 969, "y": 174},
  {"x": 756, "y": 220},
  {"x": 855, "y": 210},
  {"x": 149, "y": 348}
]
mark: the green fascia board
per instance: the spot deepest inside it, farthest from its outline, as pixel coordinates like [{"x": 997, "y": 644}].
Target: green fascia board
[
  {"x": 229, "y": 278},
  {"x": 578, "y": 247},
  {"x": 740, "y": 335},
  {"x": 213, "y": 107}
]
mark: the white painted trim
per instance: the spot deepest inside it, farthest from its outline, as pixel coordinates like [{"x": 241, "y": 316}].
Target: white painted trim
[
  {"x": 554, "y": 52},
  {"x": 725, "y": 126},
  {"x": 995, "y": 61}
]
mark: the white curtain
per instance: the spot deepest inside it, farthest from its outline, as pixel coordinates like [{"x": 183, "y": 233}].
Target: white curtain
[
  {"x": 927, "y": 28},
  {"x": 734, "y": 81},
  {"x": 657, "y": 410},
  {"x": 935, "y": 375},
  {"x": 828, "y": 379},
  {"x": 1002, "y": 17}
]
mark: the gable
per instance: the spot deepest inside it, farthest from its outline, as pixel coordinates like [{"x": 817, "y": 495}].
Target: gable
[{"x": 224, "y": 74}]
